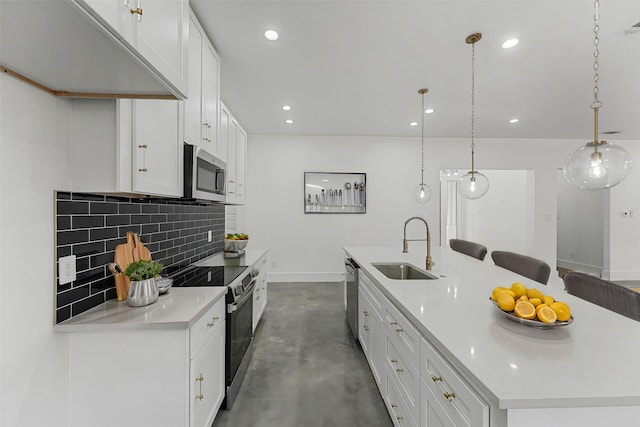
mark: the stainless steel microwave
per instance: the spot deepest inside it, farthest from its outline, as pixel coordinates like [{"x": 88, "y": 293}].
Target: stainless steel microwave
[{"x": 204, "y": 175}]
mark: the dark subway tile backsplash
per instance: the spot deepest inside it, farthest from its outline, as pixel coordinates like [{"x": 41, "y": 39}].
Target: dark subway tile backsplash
[{"x": 90, "y": 226}]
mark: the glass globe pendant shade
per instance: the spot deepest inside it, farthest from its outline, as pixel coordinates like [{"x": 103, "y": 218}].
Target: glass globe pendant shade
[
  {"x": 473, "y": 185},
  {"x": 590, "y": 170},
  {"x": 422, "y": 193}
]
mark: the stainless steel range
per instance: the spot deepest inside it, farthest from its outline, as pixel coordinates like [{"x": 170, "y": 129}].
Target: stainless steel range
[{"x": 239, "y": 300}]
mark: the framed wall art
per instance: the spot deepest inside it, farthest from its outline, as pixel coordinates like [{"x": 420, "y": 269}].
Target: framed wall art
[{"x": 335, "y": 192}]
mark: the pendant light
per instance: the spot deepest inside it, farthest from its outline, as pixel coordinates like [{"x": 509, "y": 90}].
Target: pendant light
[
  {"x": 598, "y": 165},
  {"x": 473, "y": 184},
  {"x": 422, "y": 193}
]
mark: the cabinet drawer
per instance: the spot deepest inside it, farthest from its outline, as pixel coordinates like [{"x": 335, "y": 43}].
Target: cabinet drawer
[
  {"x": 406, "y": 337},
  {"x": 463, "y": 405},
  {"x": 364, "y": 321},
  {"x": 374, "y": 294},
  {"x": 206, "y": 326},
  {"x": 433, "y": 414},
  {"x": 399, "y": 410},
  {"x": 407, "y": 377}
]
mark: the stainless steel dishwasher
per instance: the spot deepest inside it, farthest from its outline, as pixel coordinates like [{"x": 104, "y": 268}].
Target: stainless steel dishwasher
[{"x": 351, "y": 268}]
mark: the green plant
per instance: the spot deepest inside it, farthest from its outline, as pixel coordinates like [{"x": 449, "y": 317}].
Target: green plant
[{"x": 143, "y": 270}]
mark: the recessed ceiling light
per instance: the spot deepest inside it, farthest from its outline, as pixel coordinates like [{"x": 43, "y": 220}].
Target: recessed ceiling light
[
  {"x": 271, "y": 35},
  {"x": 514, "y": 121},
  {"x": 286, "y": 107},
  {"x": 289, "y": 121},
  {"x": 413, "y": 124},
  {"x": 429, "y": 110},
  {"x": 510, "y": 43}
]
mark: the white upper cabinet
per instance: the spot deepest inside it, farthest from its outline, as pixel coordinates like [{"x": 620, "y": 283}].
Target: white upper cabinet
[
  {"x": 235, "y": 138},
  {"x": 202, "y": 110},
  {"x": 98, "y": 47}
]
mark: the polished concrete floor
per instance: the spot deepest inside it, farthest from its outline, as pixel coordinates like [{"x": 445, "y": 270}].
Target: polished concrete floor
[{"x": 306, "y": 368}]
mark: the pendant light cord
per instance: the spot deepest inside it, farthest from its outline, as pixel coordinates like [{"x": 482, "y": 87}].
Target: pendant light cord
[
  {"x": 596, "y": 75},
  {"x": 473, "y": 104},
  {"x": 422, "y": 138}
]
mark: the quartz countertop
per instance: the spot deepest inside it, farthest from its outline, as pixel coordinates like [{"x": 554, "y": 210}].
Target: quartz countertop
[
  {"x": 249, "y": 258},
  {"x": 591, "y": 362},
  {"x": 177, "y": 309}
]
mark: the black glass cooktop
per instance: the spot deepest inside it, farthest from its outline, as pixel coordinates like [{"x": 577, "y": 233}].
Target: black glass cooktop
[{"x": 206, "y": 276}]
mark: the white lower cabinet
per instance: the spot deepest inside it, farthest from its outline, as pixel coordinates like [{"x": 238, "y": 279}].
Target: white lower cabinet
[
  {"x": 419, "y": 387},
  {"x": 159, "y": 377},
  {"x": 260, "y": 292}
]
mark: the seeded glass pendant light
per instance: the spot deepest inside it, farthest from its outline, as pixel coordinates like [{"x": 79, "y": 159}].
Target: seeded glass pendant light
[
  {"x": 422, "y": 193},
  {"x": 473, "y": 184},
  {"x": 598, "y": 164}
]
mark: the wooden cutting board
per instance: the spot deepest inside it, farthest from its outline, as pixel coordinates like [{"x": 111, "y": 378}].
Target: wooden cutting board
[
  {"x": 123, "y": 257},
  {"x": 140, "y": 252}
]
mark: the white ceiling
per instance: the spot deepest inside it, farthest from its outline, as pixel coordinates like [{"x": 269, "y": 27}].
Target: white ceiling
[{"x": 354, "y": 67}]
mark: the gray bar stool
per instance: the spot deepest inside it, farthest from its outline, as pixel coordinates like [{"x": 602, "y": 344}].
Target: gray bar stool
[
  {"x": 475, "y": 250},
  {"x": 524, "y": 265},
  {"x": 606, "y": 294}
]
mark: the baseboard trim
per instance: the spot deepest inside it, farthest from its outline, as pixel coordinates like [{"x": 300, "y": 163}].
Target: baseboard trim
[
  {"x": 620, "y": 275},
  {"x": 276, "y": 276},
  {"x": 576, "y": 266}
]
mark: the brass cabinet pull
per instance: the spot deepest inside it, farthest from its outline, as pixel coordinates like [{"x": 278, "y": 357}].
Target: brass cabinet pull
[
  {"x": 393, "y": 361},
  {"x": 449, "y": 395},
  {"x": 393, "y": 323},
  {"x": 142, "y": 170},
  {"x": 199, "y": 396},
  {"x": 366, "y": 313},
  {"x": 399, "y": 417},
  {"x": 137, "y": 10},
  {"x": 200, "y": 378},
  {"x": 394, "y": 405},
  {"x": 142, "y": 146},
  {"x": 399, "y": 330},
  {"x": 213, "y": 321},
  {"x": 366, "y": 328},
  {"x": 435, "y": 379},
  {"x": 399, "y": 370}
]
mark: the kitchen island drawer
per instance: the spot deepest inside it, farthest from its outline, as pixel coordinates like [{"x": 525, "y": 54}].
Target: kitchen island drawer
[
  {"x": 407, "y": 377},
  {"x": 460, "y": 402},
  {"x": 206, "y": 326},
  {"x": 400, "y": 410},
  {"x": 404, "y": 334}
]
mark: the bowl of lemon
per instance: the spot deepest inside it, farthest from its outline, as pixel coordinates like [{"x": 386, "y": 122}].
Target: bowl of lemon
[
  {"x": 235, "y": 242},
  {"x": 530, "y": 307}
]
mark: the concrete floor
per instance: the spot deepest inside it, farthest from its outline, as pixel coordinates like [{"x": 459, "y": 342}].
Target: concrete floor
[{"x": 306, "y": 369}]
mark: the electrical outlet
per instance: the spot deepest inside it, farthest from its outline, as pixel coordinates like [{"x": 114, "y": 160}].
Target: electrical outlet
[
  {"x": 66, "y": 269},
  {"x": 209, "y": 236}
]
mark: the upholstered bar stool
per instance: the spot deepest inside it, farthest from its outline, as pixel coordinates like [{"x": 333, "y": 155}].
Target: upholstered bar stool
[
  {"x": 475, "y": 250},
  {"x": 606, "y": 294},
  {"x": 524, "y": 265}
]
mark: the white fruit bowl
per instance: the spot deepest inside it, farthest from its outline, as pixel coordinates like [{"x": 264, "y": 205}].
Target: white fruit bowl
[{"x": 235, "y": 245}]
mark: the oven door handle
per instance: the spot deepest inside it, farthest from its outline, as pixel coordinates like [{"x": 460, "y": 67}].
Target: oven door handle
[{"x": 247, "y": 295}]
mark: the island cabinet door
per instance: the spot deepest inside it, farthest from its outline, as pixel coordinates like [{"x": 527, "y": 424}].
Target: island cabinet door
[
  {"x": 461, "y": 403},
  {"x": 364, "y": 322},
  {"x": 433, "y": 414}
]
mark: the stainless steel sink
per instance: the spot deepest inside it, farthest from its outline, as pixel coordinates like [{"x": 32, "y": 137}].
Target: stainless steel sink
[{"x": 402, "y": 271}]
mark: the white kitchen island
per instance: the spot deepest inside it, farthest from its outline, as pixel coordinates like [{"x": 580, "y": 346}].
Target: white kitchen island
[{"x": 583, "y": 374}]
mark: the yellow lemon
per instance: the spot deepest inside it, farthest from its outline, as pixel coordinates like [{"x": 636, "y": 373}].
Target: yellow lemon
[
  {"x": 546, "y": 315},
  {"x": 496, "y": 291},
  {"x": 523, "y": 298},
  {"x": 562, "y": 310},
  {"x": 506, "y": 302},
  {"x": 535, "y": 301},
  {"x": 534, "y": 293},
  {"x": 548, "y": 299},
  {"x": 519, "y": 289},
  {"x": 525, "y": 310},
  {"x": 540, "y": 307}
]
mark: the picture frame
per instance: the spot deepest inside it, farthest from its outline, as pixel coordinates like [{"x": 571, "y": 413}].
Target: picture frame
[{"x": 335, "y": 193}]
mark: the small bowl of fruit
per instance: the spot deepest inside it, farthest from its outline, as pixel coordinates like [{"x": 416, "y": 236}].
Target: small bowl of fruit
[{"x": 234, "y": 242}]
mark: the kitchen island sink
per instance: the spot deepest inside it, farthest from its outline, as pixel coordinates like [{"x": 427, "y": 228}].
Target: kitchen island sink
[{"x": 402, "y": 271}]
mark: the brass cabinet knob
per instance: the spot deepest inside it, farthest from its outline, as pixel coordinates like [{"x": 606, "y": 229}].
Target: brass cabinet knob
[
  {"x": 449, "y": 395},
  {"x": 399, "y": 417},
  {"x": 399, "y": 330},
  {"x": 435, "y": 379},
  {"x": 365, "y": 327},
  {"x": 393, "y": 361},
  {"x": 137, "y": 10},
  {"x": 366, "y": 313},
  {"x": 394, "y": 405},
  {"x": 142, "y": 170},
  {"x": 399, "y": 370},
  {"x": 199, "y": 396}
]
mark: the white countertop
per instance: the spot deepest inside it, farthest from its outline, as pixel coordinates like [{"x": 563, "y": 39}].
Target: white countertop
[
  {"x": 595, "y": 361},
  {"x": 249, "y": 258},
  {"x": 177, "y": 309}
]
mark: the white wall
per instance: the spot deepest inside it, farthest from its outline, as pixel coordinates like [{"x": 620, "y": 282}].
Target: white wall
[
  {"x": 312, "y": 243},
  {"x": 33, "y": 156},
  {"x": 580, "y": 227}
]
